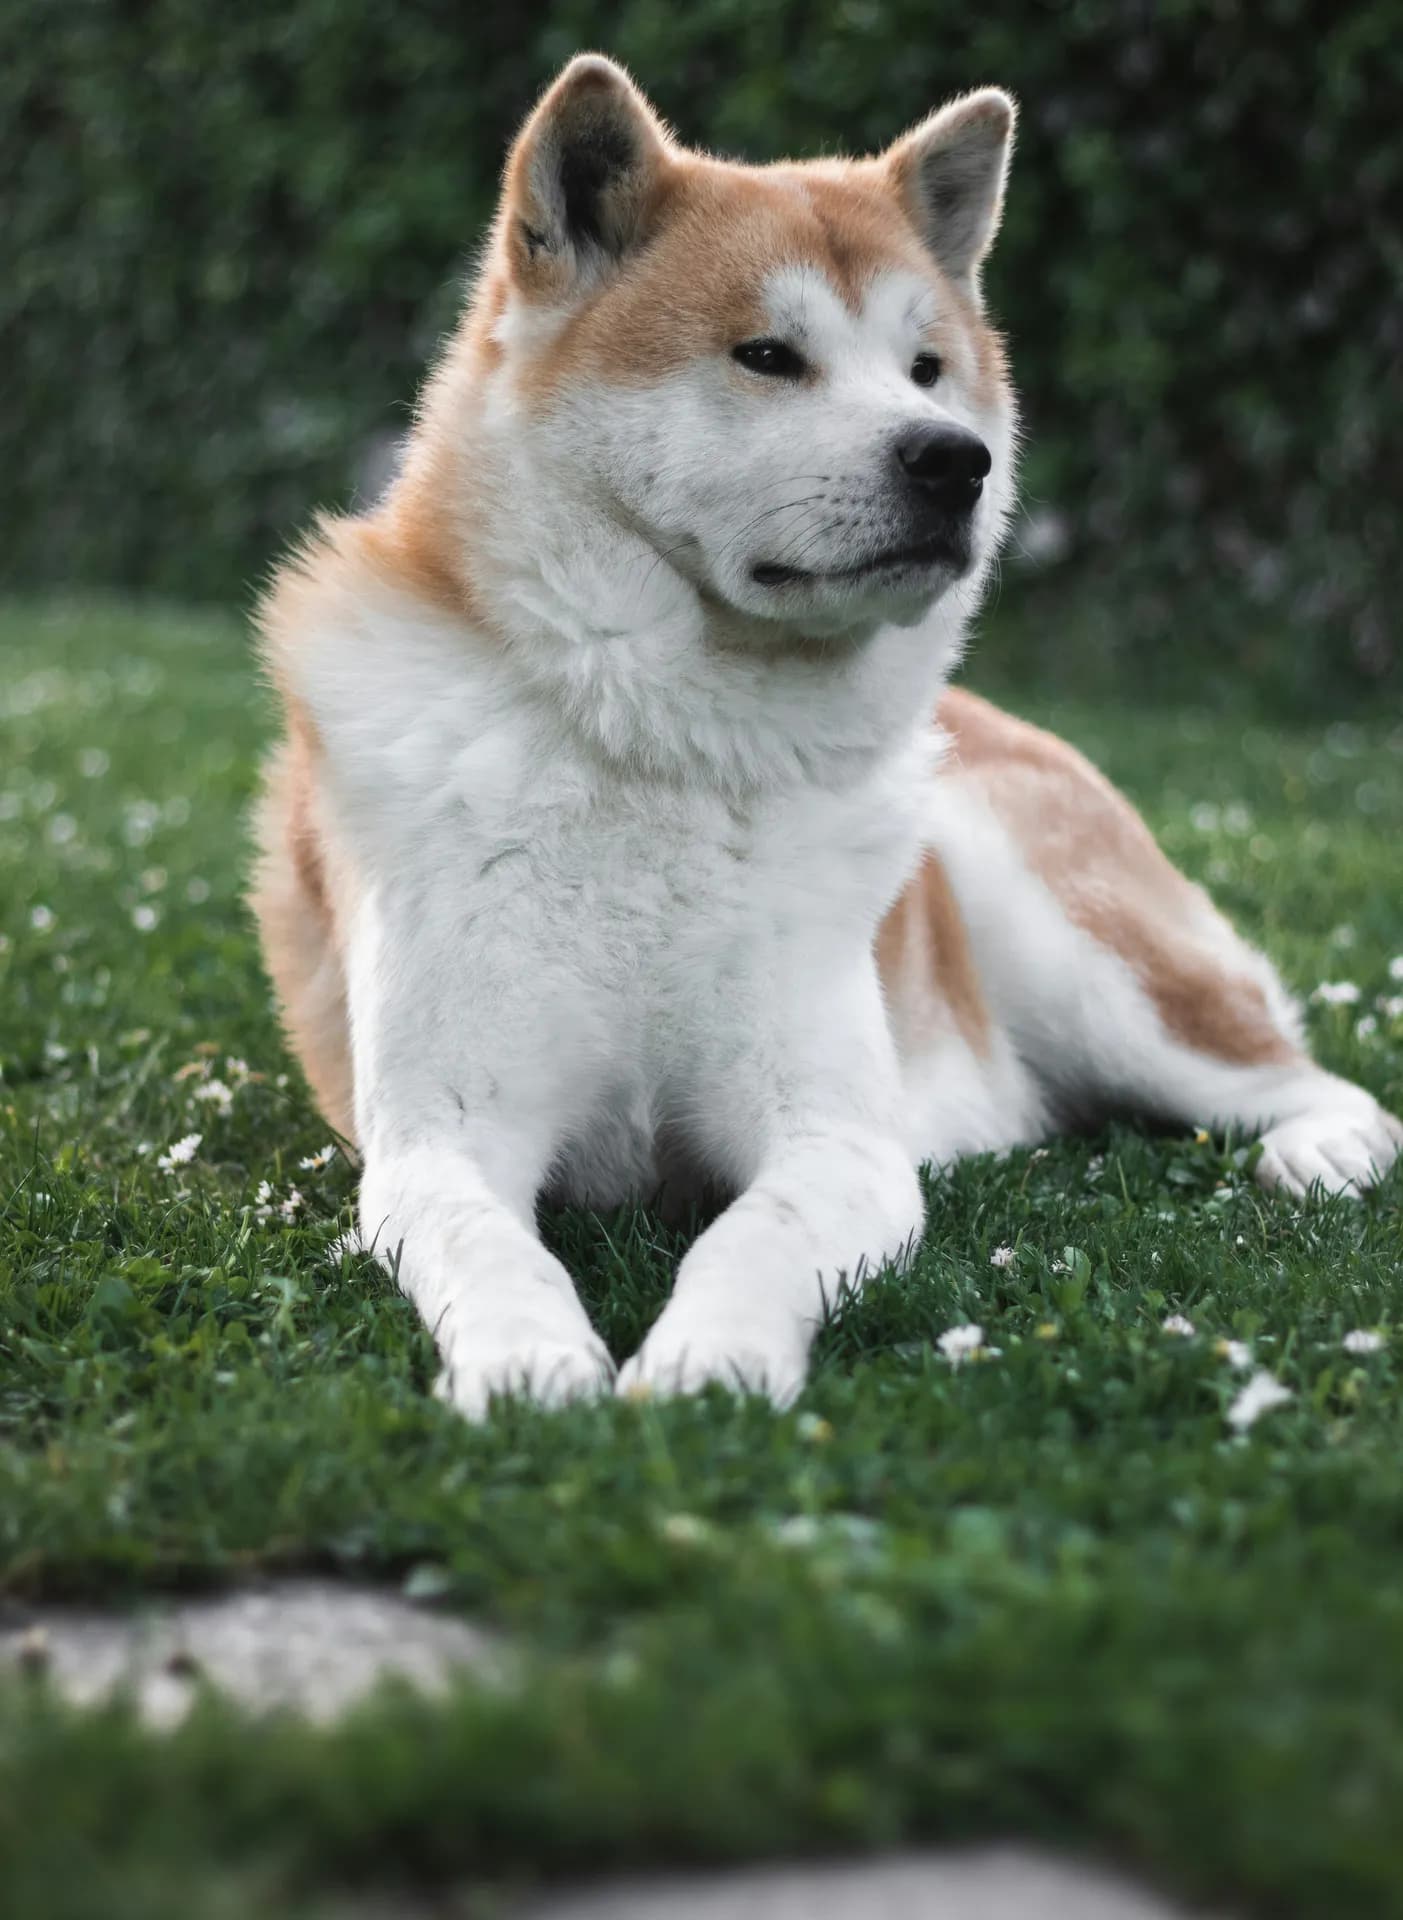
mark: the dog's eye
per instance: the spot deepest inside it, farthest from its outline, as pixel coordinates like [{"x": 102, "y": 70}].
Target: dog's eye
[
  {"x": 770, "y": 356},
  {"x": 925, "y": 369}
]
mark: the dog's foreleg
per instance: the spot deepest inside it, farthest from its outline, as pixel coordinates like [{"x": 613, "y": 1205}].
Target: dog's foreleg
[
  {"x": 457, "y": 1110},
  {"x": 828, "y": 1207},
  {"x": 829, "y": 1196}
]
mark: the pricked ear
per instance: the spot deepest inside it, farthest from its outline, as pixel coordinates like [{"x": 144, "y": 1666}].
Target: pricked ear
[
  {"x": 950, "y": 173},
  {"x": 581, "y": 178}
]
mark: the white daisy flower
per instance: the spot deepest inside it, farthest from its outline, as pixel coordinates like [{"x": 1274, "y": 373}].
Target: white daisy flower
[
  {"x": 1002, "y": 1257},
  {"x": 1362, "y": 1340},
  {"x": 685, "y": 1529},
  {"x": 1395, "y": 967},
  {"x": 1391, "y": 1006},
  {"x": 1366, "y": 1028},
  {"x": 290, "y": 1206},
  {"x": 1176, "y": 1323},
  {"x": 1236, "y": 1352},
  {"x": 145, "y": 919},
  {"x": 344, "y": 1243},
  {"x": 795, "y": 1530},
  {"x": 216, "y": 1092},
  {"x": 1335, "y": 993},
  {"x": 41, "y": 919},
  {"x": 959, "y": 1343},
  {"x": 180, "y": 1152},
  {"x": 316, "y": 1161},
  {"x": 1259, "y": 1396}
]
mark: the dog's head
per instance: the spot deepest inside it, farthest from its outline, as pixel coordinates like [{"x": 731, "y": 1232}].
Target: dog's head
[{"x": 779, "y": 376}]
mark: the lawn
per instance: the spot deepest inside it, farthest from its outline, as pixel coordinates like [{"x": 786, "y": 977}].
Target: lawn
[{"x": 1048, "y": 1592}]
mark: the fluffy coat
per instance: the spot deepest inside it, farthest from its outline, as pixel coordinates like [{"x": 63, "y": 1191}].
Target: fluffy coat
[{"x": 623, "y": 840}]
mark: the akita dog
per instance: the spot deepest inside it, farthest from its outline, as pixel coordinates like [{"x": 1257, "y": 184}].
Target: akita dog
[{"x": 621, "y": 839}]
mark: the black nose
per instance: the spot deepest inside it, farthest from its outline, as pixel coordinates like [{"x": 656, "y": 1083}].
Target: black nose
[{"x": 948, "y": 461}]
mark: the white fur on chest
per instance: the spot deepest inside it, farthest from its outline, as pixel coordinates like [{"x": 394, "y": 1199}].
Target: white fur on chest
[{"x": 616, "y": 924}]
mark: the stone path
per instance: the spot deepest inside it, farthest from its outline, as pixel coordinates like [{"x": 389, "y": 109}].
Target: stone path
[
  {"x": 318, "y": 1646},
  {"x": 313, "y": 1645},
  {"x": 987, "y": 1883}
]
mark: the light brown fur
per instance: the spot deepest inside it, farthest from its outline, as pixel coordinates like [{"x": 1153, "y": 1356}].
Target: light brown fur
[
  {"x": 716, "y": 232},
  {"x": 1098, "y": 857},
  {"x": 302, "y": 890},
  {"x": 292, "y": 898},
  {"x": 928, "y": 972}
]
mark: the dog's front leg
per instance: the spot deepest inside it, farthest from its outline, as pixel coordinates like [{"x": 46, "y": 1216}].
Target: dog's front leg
[
  {"x": 809, "y": 1119},
  {"x": 460, "y": 1088}
]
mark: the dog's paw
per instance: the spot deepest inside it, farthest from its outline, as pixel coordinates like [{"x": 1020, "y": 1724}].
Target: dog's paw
[
  {"x": 1333, "y": 1151},
  {"x": 536, "y": 1354},
  {"x": 685, "y": 1353}
]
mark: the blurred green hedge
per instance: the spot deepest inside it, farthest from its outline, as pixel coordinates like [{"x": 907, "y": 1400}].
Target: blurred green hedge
[{"x": 233, "y": 235}]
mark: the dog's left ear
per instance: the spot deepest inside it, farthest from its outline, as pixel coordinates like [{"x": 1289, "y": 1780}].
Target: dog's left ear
[
  {"x": 581, "y": 179},
  {"x": 950, "y": 172}
]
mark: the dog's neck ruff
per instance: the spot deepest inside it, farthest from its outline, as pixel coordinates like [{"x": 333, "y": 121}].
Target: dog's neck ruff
[{"x": 659, "y": 680}]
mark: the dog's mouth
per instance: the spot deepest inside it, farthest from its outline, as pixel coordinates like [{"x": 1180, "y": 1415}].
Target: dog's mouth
[{"x": 936, "y": 550}]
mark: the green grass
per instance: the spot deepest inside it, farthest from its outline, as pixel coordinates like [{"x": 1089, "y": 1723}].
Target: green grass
[{"x": 1048, "y": 1594}]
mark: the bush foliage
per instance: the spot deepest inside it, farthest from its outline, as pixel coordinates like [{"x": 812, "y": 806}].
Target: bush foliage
[{"x": 234, "y": 235}]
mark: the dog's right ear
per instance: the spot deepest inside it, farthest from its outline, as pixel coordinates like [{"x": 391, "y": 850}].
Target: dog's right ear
[
  {"x": 950, "y": 174},
  {"x": 581, "y": 179}
]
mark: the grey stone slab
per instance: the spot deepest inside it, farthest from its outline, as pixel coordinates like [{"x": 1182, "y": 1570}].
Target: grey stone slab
[
  {"x": 315, "y": 1646},
  {"x": 318, "y": 1646},
  {"x": 988, "y": 1883}
]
